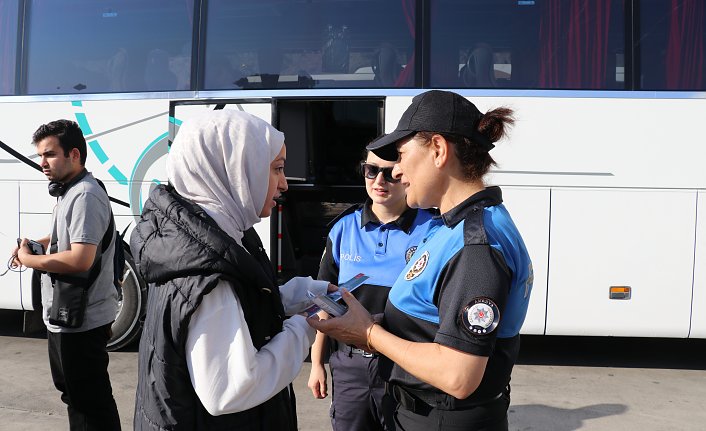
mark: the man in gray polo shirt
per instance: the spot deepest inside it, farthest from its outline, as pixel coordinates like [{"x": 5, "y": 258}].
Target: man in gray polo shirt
[{"x": 77, "y": 348}]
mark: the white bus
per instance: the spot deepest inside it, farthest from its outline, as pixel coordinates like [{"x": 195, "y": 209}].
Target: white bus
[{"x": 603, "y": 171}]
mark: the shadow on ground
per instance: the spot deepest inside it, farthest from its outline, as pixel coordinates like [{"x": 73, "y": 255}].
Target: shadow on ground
[{"x": 538, "y": 417}]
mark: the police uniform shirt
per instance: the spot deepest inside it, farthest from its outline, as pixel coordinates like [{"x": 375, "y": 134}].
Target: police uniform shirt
[
  {"x": 467, "y": 287},
  {"x": 359, "y": 243}
]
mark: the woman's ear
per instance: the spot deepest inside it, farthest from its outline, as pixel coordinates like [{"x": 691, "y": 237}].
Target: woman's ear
[{"x": 440, "y": 148}]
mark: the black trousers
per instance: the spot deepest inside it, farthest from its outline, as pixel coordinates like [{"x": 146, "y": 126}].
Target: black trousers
[
  {"x": 488, "y": 417},
  {"x": 357, "y": 393},
  {"x": 79, "y": 368}
]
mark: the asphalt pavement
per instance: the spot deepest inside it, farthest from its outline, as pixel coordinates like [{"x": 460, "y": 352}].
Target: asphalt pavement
[{"x": 560, "y": 384}]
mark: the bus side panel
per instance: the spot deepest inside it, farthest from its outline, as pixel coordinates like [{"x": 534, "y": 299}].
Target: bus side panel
[
  {"x": 35, "y": 199},
  {"x": 698, "y": 307},
  {"x": 35, "y": 222},
  {"x": 600, "y": 142},
  {"x": 620, "y": 237},
  {"x": 9, "y": 227},
  {"x": 394, "y": 108},
  {"x": 529, "y": 208}
]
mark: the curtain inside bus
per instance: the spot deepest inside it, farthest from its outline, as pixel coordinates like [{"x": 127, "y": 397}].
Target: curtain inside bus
[
  {"x": 406, "y": 77},
  {"x": 545, "y": 44},
  {"x": 574, "y": 43},
  {"x": 685, "y": 46},
  {"x": 671, "y": 44}
]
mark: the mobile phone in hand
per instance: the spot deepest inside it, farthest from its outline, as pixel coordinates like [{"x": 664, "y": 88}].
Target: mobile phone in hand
[
  {"x": 34, "y": 246},
  {"x": 330, "y": 306},
  {"x": 331, "y": 303}
]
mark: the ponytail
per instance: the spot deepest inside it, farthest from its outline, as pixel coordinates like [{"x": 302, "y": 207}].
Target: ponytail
[{"x": 495, "y": 124}]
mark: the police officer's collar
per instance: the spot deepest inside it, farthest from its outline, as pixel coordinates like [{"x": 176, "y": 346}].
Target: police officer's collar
[
  {"x": 485, "y": 198},
  {"x": 404, "y": 221}
]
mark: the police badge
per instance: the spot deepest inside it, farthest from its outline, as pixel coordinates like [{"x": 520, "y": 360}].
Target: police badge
[{"x": 418, "y": 267}]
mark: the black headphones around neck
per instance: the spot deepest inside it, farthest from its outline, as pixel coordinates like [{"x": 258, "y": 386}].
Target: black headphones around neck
[{"x": 57, "y": 189}]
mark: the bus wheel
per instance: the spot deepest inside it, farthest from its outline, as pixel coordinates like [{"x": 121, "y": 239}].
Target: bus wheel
[{"x": 132, "y": 302}]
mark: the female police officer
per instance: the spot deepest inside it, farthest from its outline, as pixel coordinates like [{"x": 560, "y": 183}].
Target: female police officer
[{"x": 452, "y": 320}]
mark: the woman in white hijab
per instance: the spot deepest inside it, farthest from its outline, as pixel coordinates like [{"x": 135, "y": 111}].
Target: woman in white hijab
[{"x": 217, "y": 351}]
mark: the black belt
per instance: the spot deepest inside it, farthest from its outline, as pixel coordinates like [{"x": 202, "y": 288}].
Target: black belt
[{"x": 422, "y": 402}]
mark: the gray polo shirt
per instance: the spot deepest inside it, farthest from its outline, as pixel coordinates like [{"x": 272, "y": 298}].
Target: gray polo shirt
[{"x": 83, "y": 216}]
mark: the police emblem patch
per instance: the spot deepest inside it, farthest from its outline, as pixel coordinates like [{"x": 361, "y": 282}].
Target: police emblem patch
[
  {"x": 481, "y": 316},
  {"x": 418, "y": 267},
  {"x": 408, "y": 254}
]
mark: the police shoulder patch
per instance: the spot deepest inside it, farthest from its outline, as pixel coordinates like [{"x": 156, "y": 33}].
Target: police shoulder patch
[
  {"x": 417, "y": 267},
  {"x": 481, "y": 316}
]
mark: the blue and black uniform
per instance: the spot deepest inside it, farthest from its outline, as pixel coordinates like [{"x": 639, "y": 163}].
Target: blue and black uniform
[
  {"x": 359, "y": 243},
  {"x": 467, "y": 287}
]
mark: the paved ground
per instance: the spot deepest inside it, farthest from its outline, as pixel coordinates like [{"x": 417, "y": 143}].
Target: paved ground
[{"x": 561, "y": 384}]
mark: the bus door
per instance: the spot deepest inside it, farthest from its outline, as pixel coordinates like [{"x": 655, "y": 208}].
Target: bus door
[{"x": 326, "y": 139}]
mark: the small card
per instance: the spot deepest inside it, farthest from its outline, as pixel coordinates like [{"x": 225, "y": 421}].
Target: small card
[
  {"x": 329, "y": 303},
  {"x": 351, "y": 285}
]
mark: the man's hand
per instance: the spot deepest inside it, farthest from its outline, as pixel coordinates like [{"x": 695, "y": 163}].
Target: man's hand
[
  {"x": 77, "y": 259},
  {"x": 24, "y": 254}
]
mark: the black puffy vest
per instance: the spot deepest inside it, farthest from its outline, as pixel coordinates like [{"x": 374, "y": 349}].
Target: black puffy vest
[{"x": 183, "y": 254}]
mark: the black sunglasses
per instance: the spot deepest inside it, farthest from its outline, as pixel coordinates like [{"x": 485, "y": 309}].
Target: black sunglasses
[{"x": 371, "y": 172}]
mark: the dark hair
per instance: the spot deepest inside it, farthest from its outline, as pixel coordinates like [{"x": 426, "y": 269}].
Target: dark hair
[
  {"x": 475, "y": 160},
  {"x": 69, "y": 134}
]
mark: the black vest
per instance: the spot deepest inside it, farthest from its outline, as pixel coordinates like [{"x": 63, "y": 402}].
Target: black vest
[{"x": 165, "y": 398}]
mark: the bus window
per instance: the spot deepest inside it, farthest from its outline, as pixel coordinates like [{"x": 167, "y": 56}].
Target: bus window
[
  {"x": 302, "y": 44},
  {"x": 8, "y": 45},
  {"x": 83, "y": 46},
  {"x": 671, "y": 45},
  {"x": 551, "y": 44}
]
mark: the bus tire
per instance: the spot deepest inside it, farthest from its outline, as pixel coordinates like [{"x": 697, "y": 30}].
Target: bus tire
[{"x": 132, "y": 303}]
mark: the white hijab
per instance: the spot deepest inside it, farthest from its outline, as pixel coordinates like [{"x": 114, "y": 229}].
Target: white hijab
[{"x": 221, "y": 161}]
